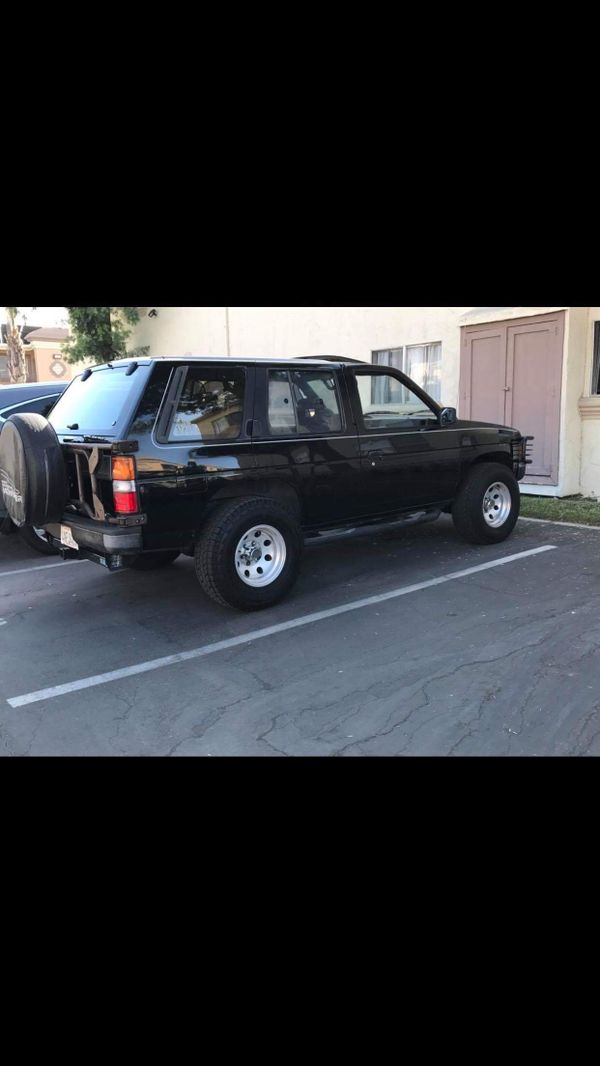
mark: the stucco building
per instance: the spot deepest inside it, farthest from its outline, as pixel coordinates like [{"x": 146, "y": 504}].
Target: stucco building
[
  {"x": 537, "y": 368},
  {"x": 43, "y": 353}
]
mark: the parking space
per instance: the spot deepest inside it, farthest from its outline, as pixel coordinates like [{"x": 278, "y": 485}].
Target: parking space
[{"x": 498, "y": 660}]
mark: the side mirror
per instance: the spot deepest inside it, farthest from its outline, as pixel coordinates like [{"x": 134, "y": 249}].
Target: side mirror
[{"x": 448, "y": 416}]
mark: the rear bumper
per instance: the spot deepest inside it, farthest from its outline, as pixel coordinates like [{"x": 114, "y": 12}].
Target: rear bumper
[{"x": 98, "y": 538}]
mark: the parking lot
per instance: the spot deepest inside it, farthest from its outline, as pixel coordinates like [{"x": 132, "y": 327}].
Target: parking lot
[{"x": 500, "y": 660}]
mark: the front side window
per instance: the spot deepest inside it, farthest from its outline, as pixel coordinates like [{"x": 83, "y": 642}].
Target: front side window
[
  {"x": 596, "y": 377},
  {"x": 303, "y": 402},
  {"x": 211, "y": 406},
  {"x": 388, "y": 404},
  {"x": 422, "y": 363}
]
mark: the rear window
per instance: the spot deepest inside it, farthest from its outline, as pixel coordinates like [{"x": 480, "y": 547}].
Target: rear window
[{"x": 96, "y": 406}]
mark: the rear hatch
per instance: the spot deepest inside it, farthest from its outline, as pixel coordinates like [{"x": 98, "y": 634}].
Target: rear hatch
[{"x": 92, "y": 421}]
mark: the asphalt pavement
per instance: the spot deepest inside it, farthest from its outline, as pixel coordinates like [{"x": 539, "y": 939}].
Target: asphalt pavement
[{"x": 404, "y": 643}]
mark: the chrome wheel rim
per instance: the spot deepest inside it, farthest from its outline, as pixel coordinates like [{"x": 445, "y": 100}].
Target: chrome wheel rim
[
  {"x": 497, "y": 504},
  {"x": 260, "y": 556}
]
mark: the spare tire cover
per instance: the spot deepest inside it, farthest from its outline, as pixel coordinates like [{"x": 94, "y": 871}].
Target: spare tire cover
[{"x": 32, "y": 471}]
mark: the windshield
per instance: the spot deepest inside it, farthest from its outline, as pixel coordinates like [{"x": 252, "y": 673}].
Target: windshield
[{"x": 95, "y": 406}]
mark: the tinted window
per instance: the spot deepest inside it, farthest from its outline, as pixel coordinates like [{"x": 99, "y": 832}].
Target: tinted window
[
  {"x": 303, "y": 402},
  {"x": 95, "y": 406},
  {"x": 147, "y": 412},
  {"x": 282, "y": 413},
  {"x": 211, "y": 406},
  {"x": 388, "y": 404},
  {"x": 41, "y": 406}
]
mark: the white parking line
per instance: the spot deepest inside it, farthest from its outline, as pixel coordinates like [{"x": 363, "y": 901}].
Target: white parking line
[
  {"x": 48, "y": 566},
  {"x": 260, "y": 634}
]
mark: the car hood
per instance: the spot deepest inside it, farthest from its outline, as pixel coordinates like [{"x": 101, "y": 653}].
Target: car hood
[{"x": 463, "y": 423}]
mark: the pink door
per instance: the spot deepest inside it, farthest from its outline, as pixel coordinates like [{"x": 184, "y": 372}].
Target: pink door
[
  {"x": 511, "y": 374},
  {"x": 483, "y": 374}
]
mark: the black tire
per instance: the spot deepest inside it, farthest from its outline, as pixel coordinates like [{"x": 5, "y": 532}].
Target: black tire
[
  {"x": 468, "y": 511},
  {"x": 32, "y": 471},
  {"x": 215, "y": 556},
  {"x": 7, "y": 525},
  {"x": 153, "y": 560},
  {"x": 36, "y": 541}
]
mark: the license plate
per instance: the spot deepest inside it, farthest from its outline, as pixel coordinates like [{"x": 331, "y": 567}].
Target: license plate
[{"x": 67, "y": 538}]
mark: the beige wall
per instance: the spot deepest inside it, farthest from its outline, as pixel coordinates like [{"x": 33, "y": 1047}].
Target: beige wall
[
  {"x": 590, "y": 417},
  {"x": 39, "y": 361},
  {"x": 353, "y": 332},
  {"x": 356, "y": 332},
  {"x": 45, "y": 355}
]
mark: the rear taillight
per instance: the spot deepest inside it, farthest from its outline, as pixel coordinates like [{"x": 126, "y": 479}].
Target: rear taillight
[{"x": 124, "y": 485}]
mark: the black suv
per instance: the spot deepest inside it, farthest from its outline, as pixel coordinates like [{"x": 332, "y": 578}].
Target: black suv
[{"x": 236, "y": 462}]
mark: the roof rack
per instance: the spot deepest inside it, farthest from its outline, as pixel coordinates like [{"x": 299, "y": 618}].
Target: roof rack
[{"x": 331, "y": 359}]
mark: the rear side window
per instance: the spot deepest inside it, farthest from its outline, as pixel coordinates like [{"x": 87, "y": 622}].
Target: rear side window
[
  {"x": 211, "y": 405},
  {"x": 151, "y": 401},
  {"x": 95, "y": 406},
  {"x": 303, "y": 402}
]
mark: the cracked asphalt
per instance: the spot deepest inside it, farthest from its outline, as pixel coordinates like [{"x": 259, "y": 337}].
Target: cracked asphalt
[{"x": 502, "y": 662}]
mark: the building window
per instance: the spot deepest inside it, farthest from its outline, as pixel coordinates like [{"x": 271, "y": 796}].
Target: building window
[
  {"x": 4, "y": 376},
  {"x": 422, "y": 363},
  {"x": 596, "y": 377}
]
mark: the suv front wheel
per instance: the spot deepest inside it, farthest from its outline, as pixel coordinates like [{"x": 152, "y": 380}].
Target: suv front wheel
[
  {"x": 248, "y": 555},
  {"x": 488, "y": 504}
]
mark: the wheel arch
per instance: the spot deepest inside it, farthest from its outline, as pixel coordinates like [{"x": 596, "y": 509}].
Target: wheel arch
[
  {"x": 280, "y": 491},
  {"x": 492, "y": 457}
]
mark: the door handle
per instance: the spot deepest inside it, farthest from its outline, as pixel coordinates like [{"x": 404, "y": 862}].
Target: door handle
[{"x": 506, "y": 388}]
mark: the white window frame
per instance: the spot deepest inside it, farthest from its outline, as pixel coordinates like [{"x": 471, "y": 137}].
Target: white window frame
[{"x": 398, "y": 359}]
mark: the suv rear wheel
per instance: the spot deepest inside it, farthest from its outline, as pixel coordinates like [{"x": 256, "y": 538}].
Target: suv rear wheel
[
  {"x": 249, "y": 553},
  {"x": 488, "y": 504}
]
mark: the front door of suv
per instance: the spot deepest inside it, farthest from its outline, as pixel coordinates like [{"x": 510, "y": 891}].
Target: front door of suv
[{"x": 408, "y": 458}]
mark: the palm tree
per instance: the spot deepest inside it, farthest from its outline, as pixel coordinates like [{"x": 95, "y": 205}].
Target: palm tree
[{"x": 16, "y": 363}]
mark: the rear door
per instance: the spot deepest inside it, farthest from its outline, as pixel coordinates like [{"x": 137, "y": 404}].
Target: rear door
[
  {"x": 304, "y": 438},
  {"x": 407, "y": 459}
]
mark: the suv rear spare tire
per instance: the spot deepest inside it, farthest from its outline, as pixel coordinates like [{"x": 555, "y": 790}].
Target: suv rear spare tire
[
  {"x": 488, "y": 504},
  {"x": 32, "y": 471},
  {"x": 248, "y": 555}
]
